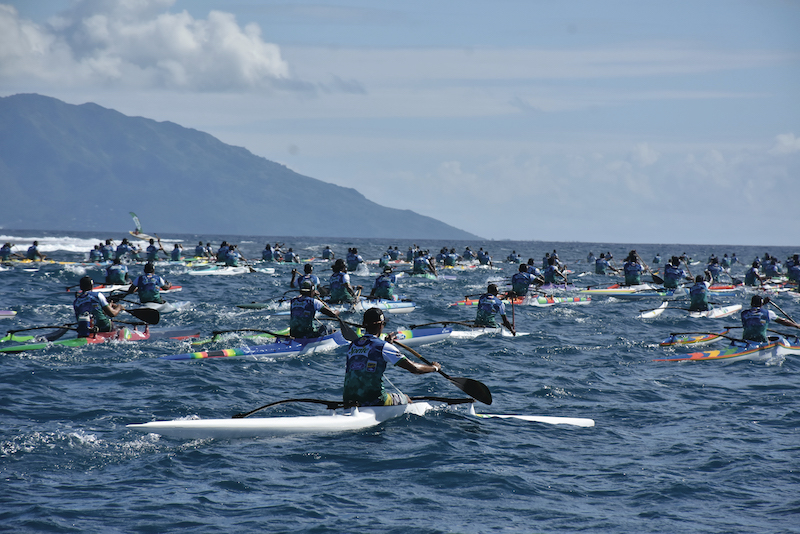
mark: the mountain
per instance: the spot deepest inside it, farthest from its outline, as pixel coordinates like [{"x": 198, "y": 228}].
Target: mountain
[{"x": 85, "y": 167}]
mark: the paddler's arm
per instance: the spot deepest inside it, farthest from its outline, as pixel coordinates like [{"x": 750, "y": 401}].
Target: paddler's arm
[
  {"x": 325, "y": 310},
  {"x": 294, "y": 274},
  {"x": 418, "y": 368},
  {"x": 508, "y": 325},
  {"x": 786, "y": 322},
  {"x": 113, "y": 309}
]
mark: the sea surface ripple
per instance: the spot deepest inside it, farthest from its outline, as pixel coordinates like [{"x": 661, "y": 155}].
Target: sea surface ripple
[{"x": 698, "y": 447}]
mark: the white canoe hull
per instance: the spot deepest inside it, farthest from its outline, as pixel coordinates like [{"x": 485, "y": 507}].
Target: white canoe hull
[{"x": 336, "y": 421}]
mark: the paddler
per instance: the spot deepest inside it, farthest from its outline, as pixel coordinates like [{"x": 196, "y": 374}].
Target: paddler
[
  {"x": 5, "y": 252},
  {"x": 522, "y": 280},
  {"x": 177, "y": 253},
  {"x": 633, "y": 269},
  {"x": 367, "y": 359},
  {"x": 673, "y": 273},
  {"x": 33, "y": 252},
  {"x": 752, "y": 277},
  {"x": 552, "y": 270},
  {"x": 307, "y": 275},
  {"x": 354, "y": 259},
  {"x": 303, "y": 313},
  {"x": 117, "y": 273},
  {"x": 755, "y": 320},
  {"x": 124, "y": 248},
  {"x": 151, "y": 253},
  {"x": 602, "y": 265},
  {"x": 341, "y": 290},
  {"x": 384, "y": 285},
  {"x": 200, "y": 250},
  {"x": 489, "y": 305},
  {"x": 698, "y": 294},
  {"x": 93, "y": 311},
  {"x": 149, "y": 285},
  {"x": 327, "y": 253}
]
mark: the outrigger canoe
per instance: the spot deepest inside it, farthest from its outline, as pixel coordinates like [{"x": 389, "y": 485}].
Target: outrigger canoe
[
  {"x": 531, "y": 300},
  {"x": 360, "y": 306},
  {"x": 745, "y": 350},
  {"x": 339, "y": 419},
  {"x": 284, "y": 346},
  {"x": 683, "y": 339},
  {"x": 7, "y": 314},
  {"x": 121, "y": 334}
]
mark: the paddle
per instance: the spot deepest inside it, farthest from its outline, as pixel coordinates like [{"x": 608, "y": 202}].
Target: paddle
[
  {"x": 473, "y": 388},
  {"x": 148, "y": 315},
  {"x": 335, "y": 405},
  {"x": 347, "y": 332},
  {"x": 52, "y": 336},
  {"x": 444, "y": 323},
  {"x": 769, "y": 301}
]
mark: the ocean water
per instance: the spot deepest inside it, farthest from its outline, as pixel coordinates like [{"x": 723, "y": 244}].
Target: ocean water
[{"x": 699, "y": 447}]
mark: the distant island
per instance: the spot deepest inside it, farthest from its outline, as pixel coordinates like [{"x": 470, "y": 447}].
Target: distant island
[{"x": 83, "y": 168}]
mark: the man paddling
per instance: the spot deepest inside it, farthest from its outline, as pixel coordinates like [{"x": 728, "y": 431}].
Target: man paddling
[
  {"x": 33, "y": 252},
  {"x": 756, "y": 319},
  {"x": 149, "y": 285},
  {"x": 522, "y": 280},
  {"x": 367, "y": 359},
  {"x": 489, "y": 305},
  {"x": 117, "y": 273},
  {"x": 304, "y": 311},
  {"x": 384, "y": 285},
  {"x": 93, "y": 311},
  {"x": 673, "y": 273},
  {"x": 698, "y": 294},
  {"x": 633, "y": 269},
  {"x": 341, "y": 290}
]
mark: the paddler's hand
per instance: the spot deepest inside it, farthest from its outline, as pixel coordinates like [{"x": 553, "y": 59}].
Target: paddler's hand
[{"x": 436, "y": 367}]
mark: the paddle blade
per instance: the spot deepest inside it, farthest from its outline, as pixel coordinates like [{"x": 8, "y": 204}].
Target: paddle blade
[
  {"x": 477, "y": 390},
  {"x": 148, "y": 315}
]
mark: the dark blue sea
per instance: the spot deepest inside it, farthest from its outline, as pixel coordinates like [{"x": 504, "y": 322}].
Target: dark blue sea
[{"x": 699, "y": 447}]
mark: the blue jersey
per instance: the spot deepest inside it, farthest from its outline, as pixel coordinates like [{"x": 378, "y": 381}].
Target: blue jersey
[
  {"x": 152, "y": 253},
  {"x": 94, "y": 255},
  {"x": 327, "y": 254},
  {"x": 232, "y": 258},
  {"x": 672, "y": 275},
  {"x": 698, "y": 295},
  {"x": 520, "y": 283},
  {"x": 303, "y": 311},
  {"x": 384, "y": 286},
  {"x": 89, "y": 310},
  {"x": 116, "y": 273},
  {"x": 149, "y": 287},
  {"x": 488, "y": 307},
  {"x": 756, "y": 322},
  {"x": 308, "y": 277},
  {"x": 633, "y": 273},
  {"x": 367, "y": 358},
  {"x": 339, "y": 293},
  {"x": 33, "y": 252},
  {"x": 5, "y": 253},
  {"x": 600, "y": 266},
  {"x": 175, "y": 255},
  {"x": 751, "y": 277}
]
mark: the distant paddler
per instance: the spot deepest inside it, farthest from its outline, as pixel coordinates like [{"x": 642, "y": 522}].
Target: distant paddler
[
  {"x": 489, "y": 306},
  {"x": 698, "y": 294},
  {"x": 307, "y": 276},
  {"x": 125, "y": 248},
  {"x": 367, "y": 359},
  {"x": 384, "y": 285},
  {"x": 756, "y": 319},
  {"x": 93, "y": 311},
  {"x": 423, "y": 264},
  {"x": 6, "y": 254},
  {"x": 200, "y": 250},
  {"x": 149, "y": 285},
  {"x": 552, "y": 271},
  {"x": 354, "y": 259},
  {"x": 151, "y": 253},
  {"x": 177, "y": 253},
  {"x": 303, "y": 312},
  {"x": 752, "y": 277},
  {"x": 33, "y": 253},
  {"x": 633, "y": 269},
  {"x": 291, "y": 257},
  {"x": 522, "y": 280},
  {"x": 602, "y": 264},
  {"x": 673, "y": 273},
  {"x": 117, "y": 273},
  {"x": 341, "y": 290},
  {"x": 108, "y": 250},
  {"x": 327, "y": 253}
]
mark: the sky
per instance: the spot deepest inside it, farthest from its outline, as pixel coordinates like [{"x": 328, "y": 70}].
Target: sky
[{"x": 613, "y": 121}]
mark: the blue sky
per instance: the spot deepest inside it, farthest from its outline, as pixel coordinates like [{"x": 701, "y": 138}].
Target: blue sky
[{"x": 613, "y": 121}]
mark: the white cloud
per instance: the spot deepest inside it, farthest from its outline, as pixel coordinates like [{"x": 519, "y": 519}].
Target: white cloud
[
  {"x": 786, "y": 144},
  {"x": 134, "y": 43}
]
